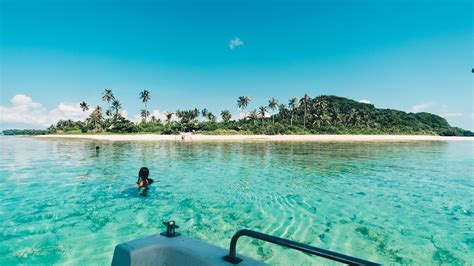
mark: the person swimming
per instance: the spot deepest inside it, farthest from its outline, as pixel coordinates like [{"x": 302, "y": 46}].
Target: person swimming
[{"x": 143, "y": 181}]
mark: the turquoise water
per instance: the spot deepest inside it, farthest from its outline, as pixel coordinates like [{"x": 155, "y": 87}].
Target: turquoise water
[{"x": 409, "y": 203}]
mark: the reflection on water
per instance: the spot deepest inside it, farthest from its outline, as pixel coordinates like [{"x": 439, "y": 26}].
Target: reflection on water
[{"x": 404, "y": 203}]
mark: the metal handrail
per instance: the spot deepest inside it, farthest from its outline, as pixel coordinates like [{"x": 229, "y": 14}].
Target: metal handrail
[{"x": 232, "y": 258}]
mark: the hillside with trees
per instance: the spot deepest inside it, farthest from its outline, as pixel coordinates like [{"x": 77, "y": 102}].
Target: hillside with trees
[{"x": 320, "y": 115}]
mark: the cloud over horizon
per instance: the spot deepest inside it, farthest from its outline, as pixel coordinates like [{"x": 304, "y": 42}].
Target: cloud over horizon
[
  {"x": 24, "y": 110},
  {"x": 157, "y": 113},
  {"x": 446, "y": 113},
  {"x": 421, "y": 107},
  {"x": 435, "y": 108},
  {"x": 451, "y": 114}
]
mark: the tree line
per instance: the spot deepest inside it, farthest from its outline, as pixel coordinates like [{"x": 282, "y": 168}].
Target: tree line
[
  {"x": 12, "y": 132},
  {"x": 305, "y": 115}
]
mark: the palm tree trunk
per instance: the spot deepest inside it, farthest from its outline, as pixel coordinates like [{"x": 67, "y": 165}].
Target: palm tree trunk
[
  {"x": 304, "y": 118},
  {"x": 146, "y": 113}
]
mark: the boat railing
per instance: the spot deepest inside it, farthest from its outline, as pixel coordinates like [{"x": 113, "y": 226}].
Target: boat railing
[{"x": 232, "y": 257}]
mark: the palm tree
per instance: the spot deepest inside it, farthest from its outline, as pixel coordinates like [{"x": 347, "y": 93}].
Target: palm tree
[
  {"x": 293, "y": 104},
  {"x": 204, "y": 113},
  {"x": 108, "y": 112},
  {"x": 337, "y": 116},
  {"x": 145, "y": 97},
  {"x": 169, "y": 115},
  {"x": 153, "y": 118},
  {"x": 116, "y": 106},
  {"x": 194, "y": 114},
  {"x": 179, "y": 114},
  {"x": 84, "y": 106},
  {"x": 108, "y": 96},
  {"x": 144, "y": 114},
  {"x": 243, "y": 102},
  {"x": 211, "y": 117},
  {"x": 262, "y": 111},
  {"x": 96, "y": 118},
  {"x": 187, "y": 118},
  {"x": 272, "y": 104},
  {"x": 226, "y": 116},
  {"x": 253, "y": 115},
  {"x": 304, "y": 101},
  {"x": 353, "y": 117},
  {"x": 320, "y": 111},
  {"x": 282, "y": 110}
]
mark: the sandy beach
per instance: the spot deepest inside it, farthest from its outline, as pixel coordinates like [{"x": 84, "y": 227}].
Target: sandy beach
[{"x": 308, "y": 138}]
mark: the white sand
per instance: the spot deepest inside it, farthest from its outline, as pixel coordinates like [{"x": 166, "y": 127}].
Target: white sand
[{"x": 192, "y": 137}]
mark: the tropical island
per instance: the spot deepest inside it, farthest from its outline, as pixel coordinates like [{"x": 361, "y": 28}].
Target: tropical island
[{"x": 322, "y": 115}]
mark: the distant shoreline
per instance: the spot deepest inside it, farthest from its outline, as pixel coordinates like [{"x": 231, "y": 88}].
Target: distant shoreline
[{"x": 294, "y": 138}]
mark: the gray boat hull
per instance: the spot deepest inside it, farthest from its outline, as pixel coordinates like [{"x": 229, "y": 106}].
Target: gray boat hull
[{"x": 182, "y": 250}]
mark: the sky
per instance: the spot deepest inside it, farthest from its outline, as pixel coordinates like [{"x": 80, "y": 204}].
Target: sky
[{"x": 409, "y": 55}]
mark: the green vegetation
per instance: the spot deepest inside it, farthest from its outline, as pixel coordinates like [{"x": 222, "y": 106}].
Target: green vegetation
[
  {"x": 306, "y": 115},
  {"x": 10, "y": 132}
]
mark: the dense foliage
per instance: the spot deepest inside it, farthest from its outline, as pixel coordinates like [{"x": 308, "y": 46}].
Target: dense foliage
[
  {"x": 319, "y": 115},
  {"x": 23, "y": 132}
]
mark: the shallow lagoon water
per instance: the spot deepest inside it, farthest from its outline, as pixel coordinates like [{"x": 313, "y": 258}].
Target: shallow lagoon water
[{"x": 406, "y": 202}]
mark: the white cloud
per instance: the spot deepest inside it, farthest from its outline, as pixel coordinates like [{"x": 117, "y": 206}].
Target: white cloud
[
  {"x": 25, "y": 111},
  {"x": 421, "y": 107},
  {"x": 235, "y": 43},
  {"x": 137, "y": 118},
  {"x": 364, "y": 101},
  {"x": 158, "y": 115},
  {"x": 242, "y": 115},
  {"x": 452, "y": 114},
  {"x": 124, "y": 113},
  {"x": 446, "y": 113},
  {"x": 68, "y": 111}
]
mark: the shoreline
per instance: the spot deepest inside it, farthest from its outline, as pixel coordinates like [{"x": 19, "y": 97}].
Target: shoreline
[{"x": 291, "y": 138}]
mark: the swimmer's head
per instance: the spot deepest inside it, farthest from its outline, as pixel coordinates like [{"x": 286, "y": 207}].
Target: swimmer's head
[{"x": 143, "y": 173}]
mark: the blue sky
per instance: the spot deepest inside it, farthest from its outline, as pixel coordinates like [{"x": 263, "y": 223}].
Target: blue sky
[{"x": 408, "y": 55}]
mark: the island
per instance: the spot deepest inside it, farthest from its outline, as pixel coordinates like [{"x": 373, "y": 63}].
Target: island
[{"x": 322, "y": 115}]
